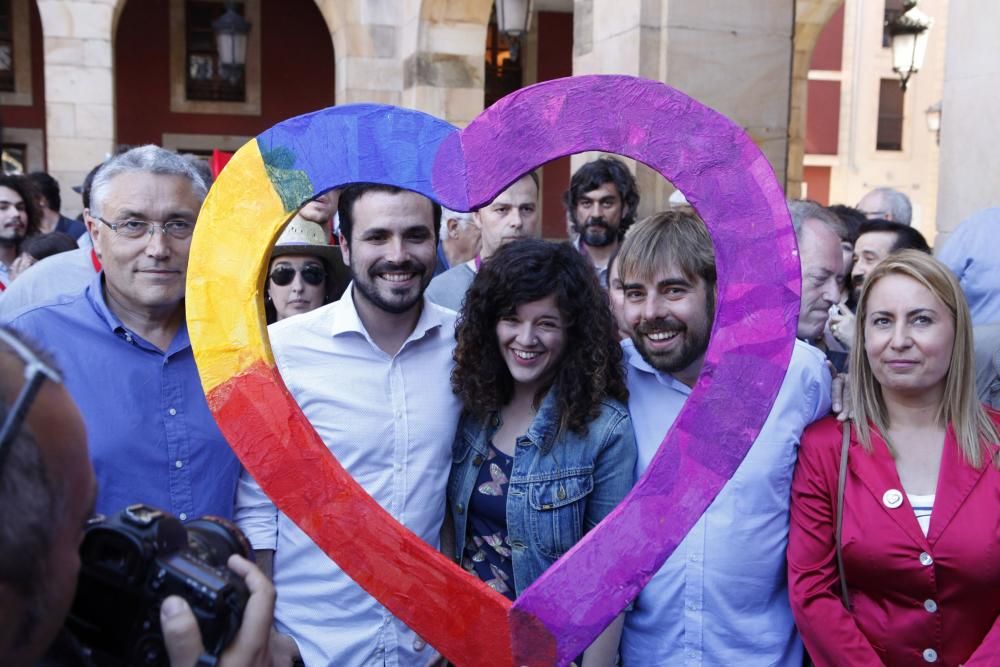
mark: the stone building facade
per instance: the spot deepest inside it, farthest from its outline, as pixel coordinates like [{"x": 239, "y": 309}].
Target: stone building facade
[{"x": 107, "y": 72}]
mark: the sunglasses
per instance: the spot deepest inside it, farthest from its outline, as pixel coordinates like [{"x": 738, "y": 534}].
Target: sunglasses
[
  {"x": 284, "y": 275},
  {"x": 36, "y": 371}
]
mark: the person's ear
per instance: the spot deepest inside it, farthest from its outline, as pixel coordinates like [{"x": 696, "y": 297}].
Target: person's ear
[
  {"x": 452, "y": 228},
  {"x": 94, "y": 229},
  {"x": 345, "y": 249}
]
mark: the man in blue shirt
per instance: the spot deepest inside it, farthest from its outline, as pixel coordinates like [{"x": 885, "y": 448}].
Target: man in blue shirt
[
  {"x": 971, "y": 252},
  {"x": 123, "y": 344},
  {"x": 721, "y": 598}
]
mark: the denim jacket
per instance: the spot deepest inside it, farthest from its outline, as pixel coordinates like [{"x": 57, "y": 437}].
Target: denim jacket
[{"x": 562, "y": 484}]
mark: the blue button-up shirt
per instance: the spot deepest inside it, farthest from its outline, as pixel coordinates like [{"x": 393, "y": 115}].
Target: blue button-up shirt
[
  {"x": 972, "y": 253},
  {"x": 722, "y": 596},
  {"x": 152, "y": 438}
]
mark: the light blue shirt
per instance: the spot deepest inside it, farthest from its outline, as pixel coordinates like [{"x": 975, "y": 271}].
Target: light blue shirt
[
  {"x": 151, "y": 436},
  {"x": 973, "y": 253},
  {"x": 722, "y": 596},
  {"x": 390, "y": 420}
]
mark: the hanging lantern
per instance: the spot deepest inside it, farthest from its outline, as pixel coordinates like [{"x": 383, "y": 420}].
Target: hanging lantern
[
  {"x": 514, "y": 21},
  {"x": 909, "y": 32},
  {"x": 231, "y": 32}
]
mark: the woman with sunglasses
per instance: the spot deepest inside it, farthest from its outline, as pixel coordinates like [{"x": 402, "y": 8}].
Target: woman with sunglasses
[
  {"x": 305, "y": 272},
  {"x": 544, "y": 449}
]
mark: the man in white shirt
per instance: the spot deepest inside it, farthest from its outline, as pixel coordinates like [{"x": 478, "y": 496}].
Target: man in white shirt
[
  {"x": 371, "y": 373},
  {"x": 721, "y": 598}
]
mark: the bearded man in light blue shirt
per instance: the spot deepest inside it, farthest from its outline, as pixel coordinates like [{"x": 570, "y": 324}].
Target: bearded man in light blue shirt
[{"x": 721, "y": 598}]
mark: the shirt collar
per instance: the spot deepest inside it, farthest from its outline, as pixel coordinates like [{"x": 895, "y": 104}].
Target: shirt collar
[
  {"x": 545, "y": 425},
  {"x": 345, "y": 319},
  {"x": 634, "y": 359},
  {"x": 95, "y": 296}
]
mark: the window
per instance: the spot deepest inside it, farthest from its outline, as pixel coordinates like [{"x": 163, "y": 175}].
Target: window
[
  {"x": 889, "y": 136},
  {"x": 503, "y": 74},
  {"x": 893, "y": 10},
  {"x": 6, "y": 47},
  {"x": 204, "y": 81}
]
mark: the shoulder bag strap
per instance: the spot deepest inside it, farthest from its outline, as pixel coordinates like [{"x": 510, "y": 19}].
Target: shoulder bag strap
[{"x": 841, "y": 483}]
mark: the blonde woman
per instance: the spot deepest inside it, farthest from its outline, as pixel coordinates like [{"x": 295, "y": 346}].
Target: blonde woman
[{"x": 919, "y": 541}]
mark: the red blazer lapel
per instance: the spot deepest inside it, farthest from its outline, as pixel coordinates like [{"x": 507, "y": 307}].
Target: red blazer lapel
[
  {"x": 956, "y": 480},
  {"x": 877, "y": 472}
]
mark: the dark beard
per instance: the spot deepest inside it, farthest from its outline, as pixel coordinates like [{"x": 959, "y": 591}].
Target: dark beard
[
  {"x": 596, "y": 233},
  {"x": 368, "y": 290}
]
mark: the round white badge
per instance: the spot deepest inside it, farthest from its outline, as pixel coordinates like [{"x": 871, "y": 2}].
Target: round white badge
[{"x": 892, "y": 498}]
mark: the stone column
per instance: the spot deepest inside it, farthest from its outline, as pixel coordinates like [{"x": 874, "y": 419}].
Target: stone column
[
  {"x": 970, "y": 136},
  {"x": 735, "y": 57},
  {"x": 366, "y": 36},
  {"x": 79, "y": 94},
  {"x": 443, "y": 63}
]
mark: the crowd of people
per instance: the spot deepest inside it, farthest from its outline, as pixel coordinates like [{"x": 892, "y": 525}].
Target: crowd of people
[{"x": 499, "y": 395}]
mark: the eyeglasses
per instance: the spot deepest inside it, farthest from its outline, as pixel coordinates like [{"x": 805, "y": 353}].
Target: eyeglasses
[
  {"x": 284, "y": 275},
  {"x": 136, "y": 229},
  {"x": 35, "y": 372}
]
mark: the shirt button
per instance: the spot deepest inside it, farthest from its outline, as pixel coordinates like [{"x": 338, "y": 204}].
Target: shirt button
[
  {"x": 925, "y": 558},
  {"x": 930, "y": 655},
  {"x": 693, "y": 606},
  {"x": 182, "y": 516},
  {"x": 178, "y": 463},
  {"x": 561, "y": 493},
  {"x": 930, "y": 606},
  {"x": 419, "y": 644},
  {"x": 478, "y": 461},
  {"x": 693, "y": 558},
  {"x": 172, "y": 411},
  {"x": 399, "y": 466},
  {"x": 399, "y": 414},
  {"x": 461, "y": 508}
]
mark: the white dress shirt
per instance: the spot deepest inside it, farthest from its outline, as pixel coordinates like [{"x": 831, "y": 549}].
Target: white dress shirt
[
  {"x": 722, "y": 596},
  {"x": 390, "y": 421}
]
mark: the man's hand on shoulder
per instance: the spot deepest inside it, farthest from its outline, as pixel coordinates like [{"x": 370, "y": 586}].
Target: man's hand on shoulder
[{"x": 840, "y": 394}]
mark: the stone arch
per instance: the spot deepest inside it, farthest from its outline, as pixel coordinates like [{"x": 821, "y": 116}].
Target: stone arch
[
  {"x": 443, "y": 69},
  {"x": 811, "y": 17}
]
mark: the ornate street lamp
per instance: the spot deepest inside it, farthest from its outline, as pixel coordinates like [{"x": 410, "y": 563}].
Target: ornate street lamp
[
  {"x": 514, "y": 21},
  {"x": 231, "y": 32},
  {"x": 909, "y": 32}
]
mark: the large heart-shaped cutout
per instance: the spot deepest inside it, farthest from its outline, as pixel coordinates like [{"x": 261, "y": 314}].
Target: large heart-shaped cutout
[{"x": 711, "y": 160}]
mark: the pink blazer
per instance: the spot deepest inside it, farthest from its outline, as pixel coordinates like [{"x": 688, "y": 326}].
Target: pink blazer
[{"x": 915, "y": 600}]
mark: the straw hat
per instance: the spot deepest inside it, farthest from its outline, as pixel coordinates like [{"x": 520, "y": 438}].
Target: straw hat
[{"x": 302, "y": 237}]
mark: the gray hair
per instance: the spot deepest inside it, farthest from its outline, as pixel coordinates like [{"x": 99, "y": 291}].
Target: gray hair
[
  {"x": 150, "y": 159},
  {"x": 806, "y": 209},
  {"x": 464, "y": 220},
  {"x": 896, "y": 204}
]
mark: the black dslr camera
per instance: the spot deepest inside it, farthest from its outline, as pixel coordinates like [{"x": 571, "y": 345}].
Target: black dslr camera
[{"x": 131, "y": 562}]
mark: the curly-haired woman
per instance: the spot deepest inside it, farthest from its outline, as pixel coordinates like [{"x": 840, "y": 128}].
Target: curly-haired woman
[{"x": 545, "y": 448}]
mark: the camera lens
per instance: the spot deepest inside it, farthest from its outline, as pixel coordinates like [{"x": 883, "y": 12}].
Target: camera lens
[{"x": 214, "y": 540}]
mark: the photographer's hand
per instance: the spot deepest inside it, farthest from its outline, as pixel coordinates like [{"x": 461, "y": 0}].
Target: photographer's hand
[{"x": 250, "y": 646}]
